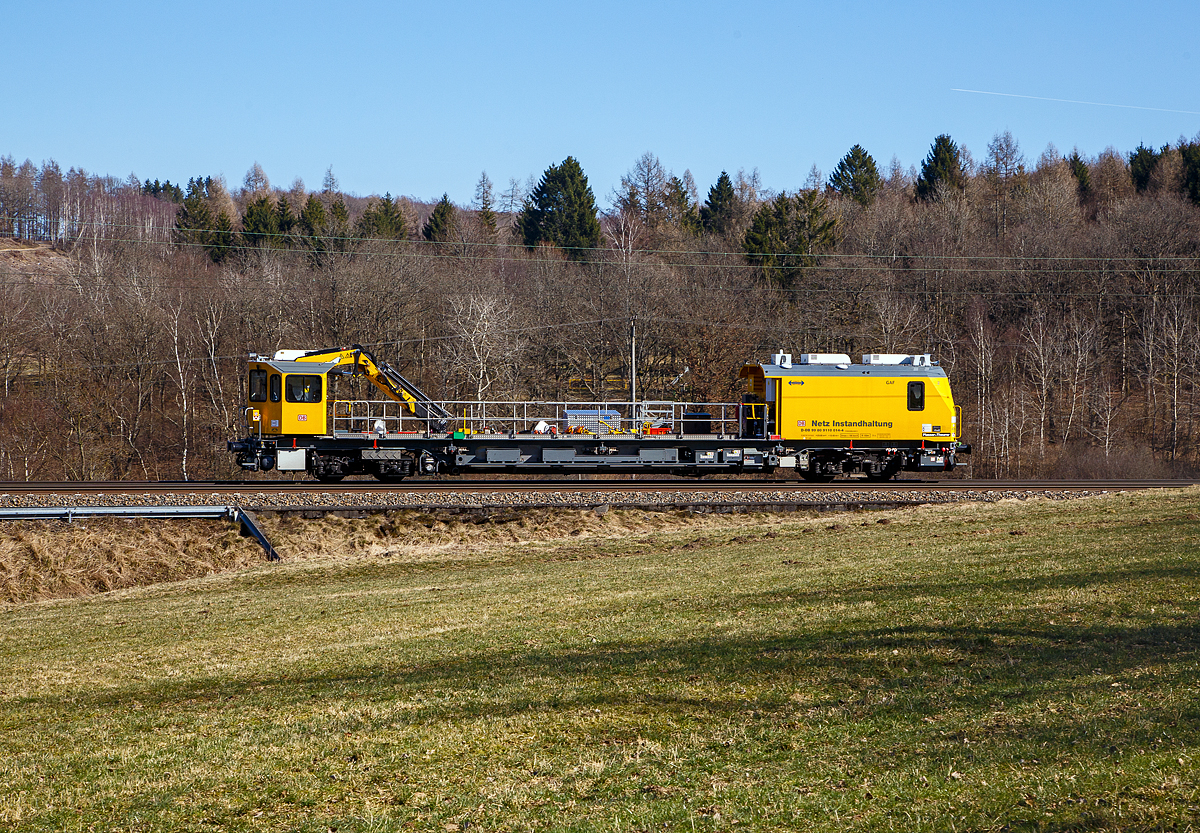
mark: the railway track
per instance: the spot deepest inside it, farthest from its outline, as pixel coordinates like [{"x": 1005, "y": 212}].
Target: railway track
[{"x": 598, "y": 487}]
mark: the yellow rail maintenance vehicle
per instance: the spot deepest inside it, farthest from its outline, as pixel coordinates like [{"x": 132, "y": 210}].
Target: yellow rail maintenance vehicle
[
  {"x": 894, "y": 412},
  {"x": 818, "y": 417}
]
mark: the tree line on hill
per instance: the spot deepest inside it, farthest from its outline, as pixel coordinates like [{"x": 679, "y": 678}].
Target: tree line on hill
[{"x": 1059, "y": 293}]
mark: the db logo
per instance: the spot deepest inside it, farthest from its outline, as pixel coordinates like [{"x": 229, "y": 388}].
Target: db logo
[
  {"x": 799, "y": 423},
  {"x": 301, "y": 417}
]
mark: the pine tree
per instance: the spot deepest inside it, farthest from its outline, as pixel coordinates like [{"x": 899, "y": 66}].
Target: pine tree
[
  {"x": 194, "y": 218},
  {"x": 440, "y": 226},
  {"x": 720, "y": 210},
  {"x": 312, "y": 226},
  {"x": 312, "y": 218},
  {"x": 260, "y": 223},
  {"x": 164, "y": 190},
  {"x": 856, "y": 177},
  {"x": 284, "y": 218},
  {"x": 813, "y": 231},
  {"x": 1190, "y": 153},
  {"x": 1142, "y": 163},
  {"x": 1083, "y": 176},
  {"x": 222, "y": 240},
  {"x": 339, "y": 217},
  {"x": 680, "y": 209},
  {"x": 561, "y": 212},
  {"x": 789, "y": 235},
  {"x": 485, "y": 205},
  {"x": 383, "y": 220},
  {"x": 943, "y": 168},
  {"x": 765, "y": 240}
]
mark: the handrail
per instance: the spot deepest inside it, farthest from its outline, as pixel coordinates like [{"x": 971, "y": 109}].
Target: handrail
[{"x": 520, "y": 416}]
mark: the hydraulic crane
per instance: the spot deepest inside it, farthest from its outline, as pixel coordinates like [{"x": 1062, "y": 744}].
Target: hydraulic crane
[{"x": 356, "y": 361}]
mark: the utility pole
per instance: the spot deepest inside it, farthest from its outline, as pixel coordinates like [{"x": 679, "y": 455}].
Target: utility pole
[{"x": 633, "y": 363}]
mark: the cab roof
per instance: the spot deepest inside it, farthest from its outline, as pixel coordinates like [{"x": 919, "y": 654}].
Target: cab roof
[
  {"x": 296, "y": 367},
  {"x": 770, "y": 370}
]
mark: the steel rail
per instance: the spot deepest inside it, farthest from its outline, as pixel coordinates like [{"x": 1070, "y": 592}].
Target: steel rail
[{"x": 475, "y": 486}]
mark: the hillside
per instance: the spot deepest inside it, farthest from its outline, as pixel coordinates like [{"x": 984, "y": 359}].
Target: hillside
[{"x": 31, "y": 258}]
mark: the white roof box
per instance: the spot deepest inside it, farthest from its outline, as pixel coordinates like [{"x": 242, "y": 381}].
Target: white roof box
[
  {"x": 915, "y": 359},
  {"x": 289, "y": 355},
  {"x": 824, "y": 358}
]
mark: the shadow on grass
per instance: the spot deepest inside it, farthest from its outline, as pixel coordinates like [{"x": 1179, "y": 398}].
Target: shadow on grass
[
  {"x": 920, "y": 667},
  {"x": 899, "y": 674},
  {"x": 1009, "y": 589}
]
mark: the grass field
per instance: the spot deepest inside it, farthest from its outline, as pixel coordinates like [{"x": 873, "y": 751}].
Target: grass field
[{"x": 1021, "y": 666}]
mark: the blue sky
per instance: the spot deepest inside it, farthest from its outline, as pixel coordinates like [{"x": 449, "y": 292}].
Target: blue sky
[{"x": 419, "y": 98}]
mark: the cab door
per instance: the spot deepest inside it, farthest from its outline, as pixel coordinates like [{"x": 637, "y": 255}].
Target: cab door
[
  {"x": 303, "y": 403},
  {"x": 264, "y": 399}
]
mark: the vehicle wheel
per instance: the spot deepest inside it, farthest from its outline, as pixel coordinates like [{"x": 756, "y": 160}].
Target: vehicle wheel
[
  {"x": 330, "y": 478},
  {"x": 889, "y": 471},
  {"x": 389, "y": 478}
]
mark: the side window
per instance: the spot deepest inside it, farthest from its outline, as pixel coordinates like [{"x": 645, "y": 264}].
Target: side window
[
  {"x": 916, "y": 396},
  {"x": 258, "y": 386},
  {"x": 303, "y": 388},
  {"x": 276, "y": 384}
]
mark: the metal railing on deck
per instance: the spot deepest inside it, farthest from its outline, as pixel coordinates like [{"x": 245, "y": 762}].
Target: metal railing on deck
[{"x": 600, "y": 418}]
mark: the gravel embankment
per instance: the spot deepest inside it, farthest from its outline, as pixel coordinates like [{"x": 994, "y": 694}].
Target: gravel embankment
[{"x": 326, "y": 498}]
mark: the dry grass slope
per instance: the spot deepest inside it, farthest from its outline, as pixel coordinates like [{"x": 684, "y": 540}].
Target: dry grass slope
[{"x": 47, "y": 560}]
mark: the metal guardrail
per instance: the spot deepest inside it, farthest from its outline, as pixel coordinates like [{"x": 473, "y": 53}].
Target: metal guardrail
[{"x": 236, "y": 514}]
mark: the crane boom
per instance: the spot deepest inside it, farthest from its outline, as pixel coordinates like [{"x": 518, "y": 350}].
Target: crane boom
[{"x": 385, "y": 377}]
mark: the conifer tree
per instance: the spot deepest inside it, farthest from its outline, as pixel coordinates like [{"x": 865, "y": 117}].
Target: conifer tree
[
  {"x": 788, "y": 235},
  {"x": 856, "y": 177},
  {"x": 383, "y": 220},
  {"x": 284, "y": 218},
  {"x": 680, "y": 208},
  {"x": 485, "y": 205},
  {"x": 813, "y": 231},
  {"x": 260, "y": 223},
  {"x": 1083, "y": 176},
  {"x": 561, "y": 212},
  {"x": 764, "y": 242},
  {"x": 1142, "y": 163},
  {"x": 312, "y": 217},
  {"x": 720, "y": 210},
  {"x": 440, "y": 225},
  {"x": 312, "y": 226},
  {"x": 943, "y": 168},
  {"x": 165, "y": 190},
  {"x": 194, "y": 218},
  {"x": 1190, "y": 153},
  {"x": 223, "y": 238},
  {"x": 339, "y": 217}
]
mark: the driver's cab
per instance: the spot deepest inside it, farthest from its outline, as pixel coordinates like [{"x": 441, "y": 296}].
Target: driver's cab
[{"x": 287, "y": 397}]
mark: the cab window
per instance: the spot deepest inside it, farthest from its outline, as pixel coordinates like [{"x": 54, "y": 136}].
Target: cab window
[
  {"x": 258, "y": 386},
  {"x": 916, "y": 396},
  {"x": 276, "y": 387},
  {"x": 303, "y": 388}
]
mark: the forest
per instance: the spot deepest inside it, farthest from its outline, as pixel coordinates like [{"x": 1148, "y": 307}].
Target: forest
[{"x": 1058, "y": 292}]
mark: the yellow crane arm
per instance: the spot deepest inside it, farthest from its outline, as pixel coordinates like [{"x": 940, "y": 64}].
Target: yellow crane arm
[{"x": 387, "y": 379}]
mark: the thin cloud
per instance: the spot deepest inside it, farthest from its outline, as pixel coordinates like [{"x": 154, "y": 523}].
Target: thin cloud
[{"x": 1072, "y": 101}]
